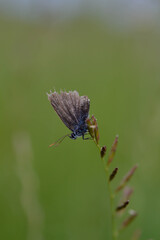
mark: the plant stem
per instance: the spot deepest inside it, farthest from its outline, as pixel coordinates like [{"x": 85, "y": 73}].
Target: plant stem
[
  {"x": 111, "y": 197},
  {"x": 111, "y": 200}
]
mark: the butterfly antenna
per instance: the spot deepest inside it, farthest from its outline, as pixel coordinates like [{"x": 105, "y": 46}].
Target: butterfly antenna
[{"x": 55, "y": 144}]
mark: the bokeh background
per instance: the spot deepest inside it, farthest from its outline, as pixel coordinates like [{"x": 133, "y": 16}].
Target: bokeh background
[{"x": 110, "y": 52}]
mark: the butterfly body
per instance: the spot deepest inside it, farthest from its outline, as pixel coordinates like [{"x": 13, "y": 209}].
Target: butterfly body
[
  {"x": 80, "y": 131},
  {"x": 73, "y": 110}
]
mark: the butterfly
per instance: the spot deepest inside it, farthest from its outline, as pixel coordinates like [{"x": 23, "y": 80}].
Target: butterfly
[{"x": 73, "y": 110}]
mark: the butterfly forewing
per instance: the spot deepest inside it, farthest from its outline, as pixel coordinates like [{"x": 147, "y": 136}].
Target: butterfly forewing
[
  {"x": 70, "y": 107},
  {"x": 57, "y": 104}
]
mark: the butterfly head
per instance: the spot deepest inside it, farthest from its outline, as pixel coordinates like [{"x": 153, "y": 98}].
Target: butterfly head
[{"x": 73, "y": 136}]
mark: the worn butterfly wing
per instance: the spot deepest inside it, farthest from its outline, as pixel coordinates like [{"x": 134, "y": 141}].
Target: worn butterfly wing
[
  {"x": 70, "y": 107},
  {"x": 80, "y": 105}
]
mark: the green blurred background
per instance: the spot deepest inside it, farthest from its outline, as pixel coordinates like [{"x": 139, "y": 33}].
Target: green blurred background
[{"x": 60, "y": 194}]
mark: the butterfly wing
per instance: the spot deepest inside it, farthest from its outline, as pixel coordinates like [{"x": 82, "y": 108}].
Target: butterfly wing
[
  {"x": 66, "y": 107},
  {"x": 81, "y": 106},
  {"x": 84, "y": 108}
]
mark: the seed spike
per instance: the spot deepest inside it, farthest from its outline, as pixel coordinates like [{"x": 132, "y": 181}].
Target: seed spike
[
  {"x": 132, "y": 215},
  {"x": 103, "y": 151},
  {"x": 126, "y": 178},
  {"x": 113, "y": 174},
  {"x": 124, "y": 205},
  {"x": 113, "y": 151}
]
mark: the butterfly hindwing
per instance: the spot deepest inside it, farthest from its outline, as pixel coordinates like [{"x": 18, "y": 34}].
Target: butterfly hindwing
[{"x": 84, "y": 107}]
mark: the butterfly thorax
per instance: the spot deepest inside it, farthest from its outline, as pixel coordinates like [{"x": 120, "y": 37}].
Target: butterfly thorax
[{"x": 79, "y": 131}]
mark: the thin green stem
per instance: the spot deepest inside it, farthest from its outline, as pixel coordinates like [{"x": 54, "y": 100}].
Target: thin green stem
[
  {"x": 111, "y": 199},
  {"x": 99, "y": 148},
  {"x": 111, "y": 196}
]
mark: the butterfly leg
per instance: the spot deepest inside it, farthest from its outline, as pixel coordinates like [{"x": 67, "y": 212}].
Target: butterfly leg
[{"x": 88, "y": 138}]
